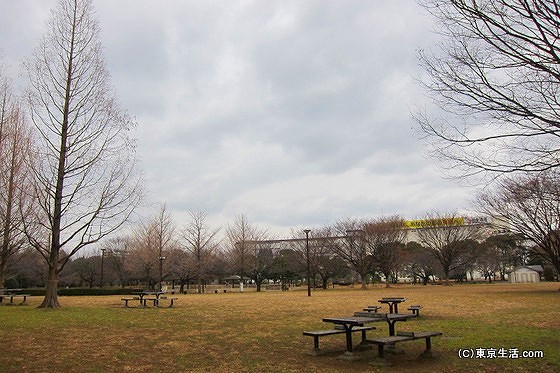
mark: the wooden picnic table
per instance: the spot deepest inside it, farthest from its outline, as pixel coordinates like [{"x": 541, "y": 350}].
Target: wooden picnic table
[
  {"x": 393, "y": 303},
  {"x": 141, "y": 296},
  {"x": 348, "y": 323}
]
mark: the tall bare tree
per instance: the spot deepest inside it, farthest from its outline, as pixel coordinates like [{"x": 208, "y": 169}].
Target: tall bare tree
[
  {"x": 529, "y": 208},
  {"x": 200, "y": 241},
  {"x": 85, "y": 175},
  {"x": 155, "y": 238},
  {"x": 15, "y": 151},
  {"x": 496, "y": 75},
  {"x": 241, "y": 250}
]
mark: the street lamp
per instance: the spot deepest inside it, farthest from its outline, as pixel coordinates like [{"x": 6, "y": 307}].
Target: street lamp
[
  {"x": 307, "y": 259},
  {"x": 161, "y": 259},
  {"x": 102, "y": 259}
]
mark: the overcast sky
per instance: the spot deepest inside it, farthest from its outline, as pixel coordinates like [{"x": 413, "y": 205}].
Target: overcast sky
[{"x": 294, "y": 113}]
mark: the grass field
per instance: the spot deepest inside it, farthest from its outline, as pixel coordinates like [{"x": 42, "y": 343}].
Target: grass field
[{"x": 262, "y": 332}]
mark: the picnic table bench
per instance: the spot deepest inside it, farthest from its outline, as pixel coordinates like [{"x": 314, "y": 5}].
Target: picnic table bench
[
  {"x": 316, "y": 334},
  {"x": 401, "y": 336},
  {"x": 155, "y": 301},
  {"x": 415, "y": 310},
  {"x": 372, "y": 308},
  {"x": 126, "y": 300},
  {"x": 12, "y": 296}
]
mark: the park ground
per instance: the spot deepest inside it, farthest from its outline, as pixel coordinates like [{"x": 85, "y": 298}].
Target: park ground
[{"x": 262, "y": 332}]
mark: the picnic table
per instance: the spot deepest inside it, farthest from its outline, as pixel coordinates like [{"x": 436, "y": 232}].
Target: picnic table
[
  {"x": 393, "y": 303},
  {"x": 141, "y": 297},
  {"x": 348, "y": 323},
  {"x": 356, "y": 323}
]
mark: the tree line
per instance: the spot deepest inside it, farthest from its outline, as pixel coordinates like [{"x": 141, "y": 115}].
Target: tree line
[{"x": 347, "y": 252}]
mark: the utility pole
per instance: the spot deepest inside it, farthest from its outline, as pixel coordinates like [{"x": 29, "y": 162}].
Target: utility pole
[{"x": 307, "y": 260}]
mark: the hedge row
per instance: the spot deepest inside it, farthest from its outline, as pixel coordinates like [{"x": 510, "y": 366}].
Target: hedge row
[{"x": 84, "y": 291}]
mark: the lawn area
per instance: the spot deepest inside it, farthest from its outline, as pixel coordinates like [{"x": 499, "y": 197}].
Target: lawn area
[{"x": 262, "y": 332}]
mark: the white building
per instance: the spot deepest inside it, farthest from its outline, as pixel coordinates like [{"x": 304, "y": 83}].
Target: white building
[{"x": 526, "y": 274}]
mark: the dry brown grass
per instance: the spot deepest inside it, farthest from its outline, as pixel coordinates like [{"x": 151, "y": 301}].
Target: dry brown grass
[{"x": 262, "y": 332}]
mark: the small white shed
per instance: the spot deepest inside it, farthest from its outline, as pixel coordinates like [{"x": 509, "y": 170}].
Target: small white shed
[{"x": 526, "y": 274}]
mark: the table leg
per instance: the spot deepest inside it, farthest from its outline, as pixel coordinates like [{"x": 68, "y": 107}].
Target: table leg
[
  {"x": 391, "y": 327},
  {"x": 349, "y": 354},
  {"x": 428, "y": 351},
  {"x": 348, "y": 338},
  {"x": 396, "y": 308}
]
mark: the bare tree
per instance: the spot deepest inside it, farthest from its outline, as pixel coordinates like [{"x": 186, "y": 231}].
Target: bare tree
[
  {"x": 354, "y": 249},
  {"x": 385, "y": 238},
  {"x": 144, "y": 254},
  {"x": 85, "y": 170},
  {"x": 181, "y": 267},
  {"x": 117, "y": 250},
  {"x": 201, "y": 242},
  {"x": 420, "y": 262},
  {"x": 15, "y": 151},
  {"x": 506, "y": 247},
  {"x": 153, "y": 241},
  {"x": 87, "y": 269},
  {"x": 262, "y": 259},
  {"x": 241, "y": 250},
  {"x": 529, "y": 207},
  {"x": 496, "y": 76},
  {"x": 29, "y": 269},
  {"x": 444, "y": 235},
  {"x": 322, "y": 255}
]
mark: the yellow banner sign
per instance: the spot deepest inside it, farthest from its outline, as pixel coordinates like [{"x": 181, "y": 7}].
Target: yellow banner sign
[{"x": 430, "y": 223}]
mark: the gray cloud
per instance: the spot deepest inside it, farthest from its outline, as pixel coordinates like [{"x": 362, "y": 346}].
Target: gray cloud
[{"x": 292, "y": 112}]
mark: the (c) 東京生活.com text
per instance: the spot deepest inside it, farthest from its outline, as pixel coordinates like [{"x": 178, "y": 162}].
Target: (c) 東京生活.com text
[{"x": 499, "y": 353}]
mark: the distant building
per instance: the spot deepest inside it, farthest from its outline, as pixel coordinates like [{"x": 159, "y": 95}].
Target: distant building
[{"x": 526, "y": 274}]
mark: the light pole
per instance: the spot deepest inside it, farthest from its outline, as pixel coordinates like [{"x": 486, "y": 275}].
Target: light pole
[
  {"x": 102, "y": 259},
  {"x": 161, "y": 259},
  {"x": 307, "y": 260}
]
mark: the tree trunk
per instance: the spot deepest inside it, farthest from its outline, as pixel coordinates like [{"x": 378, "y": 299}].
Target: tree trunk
[
  {"x": 3, "y": 265},
  {"x": 364, "y": 285},
  {"x": 51, "y": 295},
  {"x": 6, "y": 251}
]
